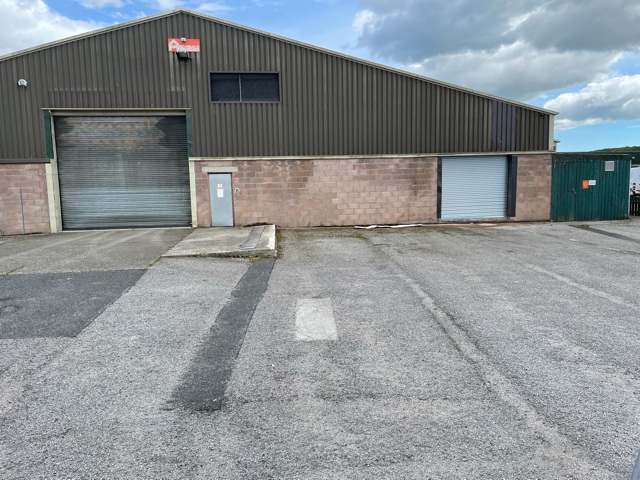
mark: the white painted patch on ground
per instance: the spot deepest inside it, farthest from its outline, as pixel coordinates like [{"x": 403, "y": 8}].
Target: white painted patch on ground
[{"x": 315, "y": 320}]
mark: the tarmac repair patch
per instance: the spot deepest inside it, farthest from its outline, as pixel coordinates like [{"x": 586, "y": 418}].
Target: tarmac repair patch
[
  {"x": 58, "y": 304},
  {"x": 204, "y": 384}
]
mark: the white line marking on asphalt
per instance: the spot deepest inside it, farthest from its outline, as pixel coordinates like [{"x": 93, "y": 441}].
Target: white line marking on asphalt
[
  {"x": 584, "y": 288},
  {"x": 314, "y": 320}
]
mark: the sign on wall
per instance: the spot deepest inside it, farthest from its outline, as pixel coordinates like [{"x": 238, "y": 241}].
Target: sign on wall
[{"x": 184, "y": 45}]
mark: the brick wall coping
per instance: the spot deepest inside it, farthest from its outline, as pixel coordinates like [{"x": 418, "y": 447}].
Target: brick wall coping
[
  {"x": 19, "y": 161},
  {"x": 351, "y": 157}
]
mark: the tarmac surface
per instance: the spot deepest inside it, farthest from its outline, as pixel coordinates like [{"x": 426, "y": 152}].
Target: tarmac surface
[
  {"x": 48, "y": 312},
  {"x": 507, "y": 351}
]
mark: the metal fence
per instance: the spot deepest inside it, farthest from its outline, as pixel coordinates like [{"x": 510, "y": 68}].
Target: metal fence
[{"x": 634, "y": 206}]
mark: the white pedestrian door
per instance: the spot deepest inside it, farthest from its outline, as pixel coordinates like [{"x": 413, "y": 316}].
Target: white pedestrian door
[
  {"x": 474, "y": 188},
  {"x": 220, "y": 200}
]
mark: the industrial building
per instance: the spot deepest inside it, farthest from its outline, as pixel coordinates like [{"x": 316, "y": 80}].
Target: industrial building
[{"x": 182, "y": 119}]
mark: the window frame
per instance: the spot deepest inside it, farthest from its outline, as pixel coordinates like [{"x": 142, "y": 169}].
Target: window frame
[{"x": 236, "y": 72}]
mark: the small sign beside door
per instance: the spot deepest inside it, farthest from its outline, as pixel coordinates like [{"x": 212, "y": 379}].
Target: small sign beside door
[{"x": 588, "y": 183}]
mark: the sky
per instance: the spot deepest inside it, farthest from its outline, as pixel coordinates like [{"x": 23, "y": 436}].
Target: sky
[{"x": 577, "y": 57}]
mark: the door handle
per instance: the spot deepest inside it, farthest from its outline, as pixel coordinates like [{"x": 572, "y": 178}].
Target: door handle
[{"x": 573, "y": 190}]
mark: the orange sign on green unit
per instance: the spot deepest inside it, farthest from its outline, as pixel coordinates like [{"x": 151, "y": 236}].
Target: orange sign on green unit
[
  {"x": 184, "y": 45},
  {"x": 585, "y": 184}
]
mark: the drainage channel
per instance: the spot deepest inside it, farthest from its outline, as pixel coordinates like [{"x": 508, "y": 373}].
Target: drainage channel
[{"x": 253, "y": 239}]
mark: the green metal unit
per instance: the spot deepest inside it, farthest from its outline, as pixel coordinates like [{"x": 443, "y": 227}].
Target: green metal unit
[{"x": 590, "y": 187}]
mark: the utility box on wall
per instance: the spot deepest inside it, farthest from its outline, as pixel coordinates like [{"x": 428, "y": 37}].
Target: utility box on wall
[{"x": 590, "y": 186}]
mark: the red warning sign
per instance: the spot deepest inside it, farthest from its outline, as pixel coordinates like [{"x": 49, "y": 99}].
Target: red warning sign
[
  {"x": 585, "y": 184},
  {"x": 184, "y": 45}
]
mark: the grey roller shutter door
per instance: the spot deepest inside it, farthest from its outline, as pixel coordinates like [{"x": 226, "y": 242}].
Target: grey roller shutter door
[
  {"x": 123, "y": 172},
  {"x": 474, "y": 188}
]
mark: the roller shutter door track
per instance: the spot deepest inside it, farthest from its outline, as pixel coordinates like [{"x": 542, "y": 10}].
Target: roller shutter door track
[
  {"x": 474, "y": 188},
  {"x": 123, "y": 172}
]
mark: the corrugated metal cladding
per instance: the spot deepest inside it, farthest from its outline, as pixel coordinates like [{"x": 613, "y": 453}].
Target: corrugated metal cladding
[
  {"x": 330, "y": 105},
  {"x": 118, "y": 172},
  {"x": 590, "y": 187},
  {"x": 474, "y": 187}
]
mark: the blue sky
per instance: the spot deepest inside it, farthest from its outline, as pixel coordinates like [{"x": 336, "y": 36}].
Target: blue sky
[{"x": 578, "y": 57}]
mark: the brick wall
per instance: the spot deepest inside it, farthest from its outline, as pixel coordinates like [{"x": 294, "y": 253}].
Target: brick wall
[
  {"x": 32, "y": 179},
  {"x": 533, "y": 192},
  {"x": 327, "y": 192}
]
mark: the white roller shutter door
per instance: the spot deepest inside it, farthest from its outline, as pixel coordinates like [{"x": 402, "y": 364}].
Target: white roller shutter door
[{"x": 474, "y": 187}]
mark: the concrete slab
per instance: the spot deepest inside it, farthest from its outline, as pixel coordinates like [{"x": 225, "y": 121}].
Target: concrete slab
[
  {"x": 227, "y": 242},
  {"x": 87, "y": 251}
]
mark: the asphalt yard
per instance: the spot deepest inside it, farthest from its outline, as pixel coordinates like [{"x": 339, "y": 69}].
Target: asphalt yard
[{"x": 479, "y": 351}]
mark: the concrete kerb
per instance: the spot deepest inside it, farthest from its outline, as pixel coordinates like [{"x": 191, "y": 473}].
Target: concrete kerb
[
  {"x": 226, "y": 242},
  {"x": 229, "y": 241}
]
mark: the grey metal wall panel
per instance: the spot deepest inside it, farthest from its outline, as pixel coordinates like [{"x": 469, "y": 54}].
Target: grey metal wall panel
[
  {"x": 330, "y": 105},
  {"x": 118, "y": 172},
  {"x": 474, "y": 188}
]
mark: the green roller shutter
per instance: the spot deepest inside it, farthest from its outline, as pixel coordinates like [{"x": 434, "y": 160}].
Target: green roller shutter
[
  {"x": 474, "y": 188},
  {"x": 123, "y": 172}
]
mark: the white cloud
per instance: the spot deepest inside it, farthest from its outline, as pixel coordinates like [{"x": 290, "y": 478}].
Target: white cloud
[
  {"x": 121, "y": 17},
  {"x": 606, "y": 101},
  {"x": 213, "y": 8},
  {"x": 516, "y": 21},
  {"x": 102, "y": 3},
  {"x": 165, "y": 4},
  {"x": 408, "y": 31},
  {"x": 516, "y": 71},
  {"x": 364, "y": 20},
  {"x": 518, "y": 49},
  {"x": 27, "y": 23}
]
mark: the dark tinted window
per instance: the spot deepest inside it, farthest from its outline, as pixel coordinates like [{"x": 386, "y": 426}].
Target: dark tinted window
[
  {"x": 245, "y": 87},
  {"x": 260, "y": 87},
  {"x": 225, "y": 87}
]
